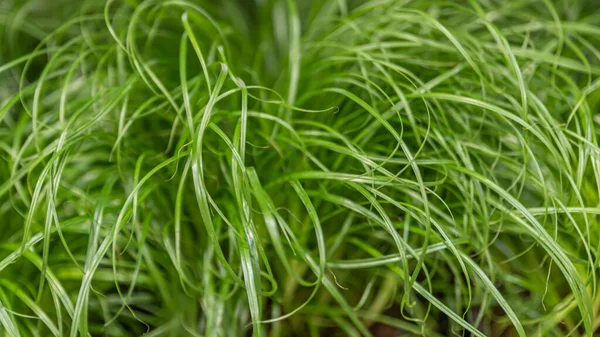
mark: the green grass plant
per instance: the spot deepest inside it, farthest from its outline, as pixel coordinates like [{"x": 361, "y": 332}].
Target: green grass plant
[{"x": 275, "y": 168}]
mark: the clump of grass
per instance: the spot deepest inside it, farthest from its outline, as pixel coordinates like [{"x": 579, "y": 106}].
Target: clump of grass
[{"x": 309, "y": 168}]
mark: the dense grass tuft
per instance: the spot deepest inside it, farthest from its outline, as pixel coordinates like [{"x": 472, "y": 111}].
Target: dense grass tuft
[{"x": 299, "y": 168}]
